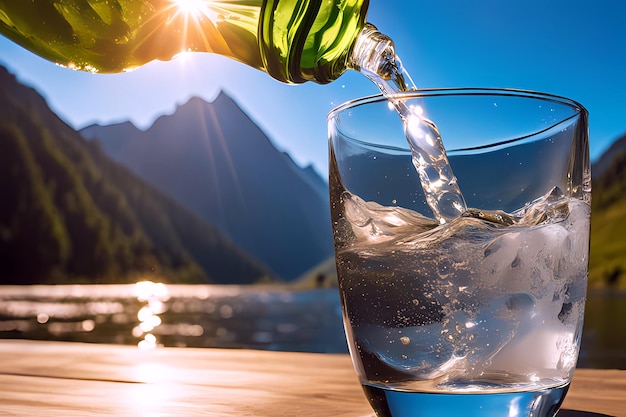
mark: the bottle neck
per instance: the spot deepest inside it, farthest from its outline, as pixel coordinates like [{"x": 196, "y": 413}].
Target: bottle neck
[{"x": 374, "y": 55}]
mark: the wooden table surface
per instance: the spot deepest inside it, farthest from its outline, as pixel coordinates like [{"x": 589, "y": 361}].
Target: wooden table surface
[{"x": 76, "y": 379}]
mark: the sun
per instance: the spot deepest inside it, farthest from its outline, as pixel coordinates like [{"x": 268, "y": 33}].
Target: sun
[
  {"x": 189, "y": 17},
  {"x": 194, "y": 9},
  {"x": 189, "y": 7}
]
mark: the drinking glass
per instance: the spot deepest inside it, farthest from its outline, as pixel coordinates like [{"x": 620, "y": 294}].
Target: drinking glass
[{"x": 480, "y": 315}]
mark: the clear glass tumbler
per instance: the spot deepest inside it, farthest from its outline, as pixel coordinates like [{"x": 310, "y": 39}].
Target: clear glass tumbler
[{"x": 480, "y": 315}]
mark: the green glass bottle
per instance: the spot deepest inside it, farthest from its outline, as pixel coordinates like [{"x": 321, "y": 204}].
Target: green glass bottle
[{"x": 294, "y": 41}]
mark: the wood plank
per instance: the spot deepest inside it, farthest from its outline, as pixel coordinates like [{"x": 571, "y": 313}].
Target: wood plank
[
  {"x": 600, "y": 391},
  {"x": 75, "y": 379},
  {"x": 68, "y": 379}
]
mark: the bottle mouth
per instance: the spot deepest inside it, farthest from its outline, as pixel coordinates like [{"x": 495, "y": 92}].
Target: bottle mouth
[{"x": 374, "y": 55}]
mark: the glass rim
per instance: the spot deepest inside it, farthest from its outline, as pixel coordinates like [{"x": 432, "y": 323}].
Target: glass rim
[
  {"x": 458, "y": 91},
  {"x": 578, "y": 109}
]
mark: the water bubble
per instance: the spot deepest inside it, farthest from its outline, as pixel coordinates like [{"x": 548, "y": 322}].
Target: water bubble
[
  {"x": 226, "y": 311},
  {"x": 88, "y": 325},
  {"x": 42, "y": 318}
]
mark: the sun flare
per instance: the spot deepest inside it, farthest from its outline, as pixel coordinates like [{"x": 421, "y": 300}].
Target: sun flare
[
  {"x": 189, "y": 17},
  {"x": 195, "y": 9},
  {"x": 189, "y": 7}
]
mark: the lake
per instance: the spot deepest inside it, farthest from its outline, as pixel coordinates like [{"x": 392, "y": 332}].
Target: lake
[{"x": 149, "y": 315}]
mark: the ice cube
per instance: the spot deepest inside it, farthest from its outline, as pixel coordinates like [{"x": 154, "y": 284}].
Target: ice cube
[
  {"x": 549, "y": 208},
  {"x": 526, "y": 258},
  {"x": 541, "y": 344}
]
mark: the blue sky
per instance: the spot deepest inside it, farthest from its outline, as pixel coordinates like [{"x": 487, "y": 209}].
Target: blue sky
[{"x": 571, "y": 48}]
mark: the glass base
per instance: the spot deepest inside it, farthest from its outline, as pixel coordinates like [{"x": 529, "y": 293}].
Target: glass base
[{"x": 389, "y": 403}]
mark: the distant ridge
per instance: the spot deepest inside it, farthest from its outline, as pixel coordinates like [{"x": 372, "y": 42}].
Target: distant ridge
[
  {"x": 70, "y": 214},
  {"x": 607, "y": 262},
  {"x": 606, "y": 159},
  {"x": 214, "y": 160}
]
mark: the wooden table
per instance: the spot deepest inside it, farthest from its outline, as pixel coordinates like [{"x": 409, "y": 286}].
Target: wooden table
[{"x": 75, "y": 379}]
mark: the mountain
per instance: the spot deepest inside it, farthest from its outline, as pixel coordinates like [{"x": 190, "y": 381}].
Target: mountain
[
  {"x": 607, "y": 262},
  {"x": 71, "y": 214},
  {"x": 606, "y": 159},
  {"x": 214, "y": 160}
]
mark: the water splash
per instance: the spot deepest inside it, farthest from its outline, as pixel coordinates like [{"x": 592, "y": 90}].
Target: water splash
[{"x": 375, "y": 57}]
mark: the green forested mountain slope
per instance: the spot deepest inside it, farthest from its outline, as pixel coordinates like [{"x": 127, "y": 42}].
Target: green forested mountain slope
[
  {"x": 70, "y": 214},
  {"x": 608, "y": 221}
]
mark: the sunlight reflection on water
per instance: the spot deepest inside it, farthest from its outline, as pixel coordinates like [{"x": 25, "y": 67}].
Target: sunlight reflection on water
[
  {"x": 151, "y": 314},
  {"x": 154, "y": 295}
]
